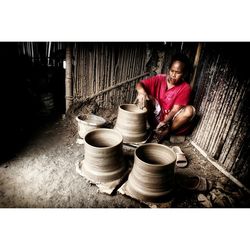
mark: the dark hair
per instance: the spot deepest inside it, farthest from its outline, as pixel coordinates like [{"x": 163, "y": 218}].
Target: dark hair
[{"x": 185, "y": 60}]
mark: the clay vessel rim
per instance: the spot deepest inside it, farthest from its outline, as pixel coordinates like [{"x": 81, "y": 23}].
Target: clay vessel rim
[
  {"x": 154, "y": 144},
  {"x": 104, "y": 129},
  {"x": 100, "y": 120},
  {"x": 140, "y": 111}
]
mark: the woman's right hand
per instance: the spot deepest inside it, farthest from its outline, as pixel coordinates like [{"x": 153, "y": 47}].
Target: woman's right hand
[
  {"x": 141, "y": 100},
  {"x": 142, "y": 96}
]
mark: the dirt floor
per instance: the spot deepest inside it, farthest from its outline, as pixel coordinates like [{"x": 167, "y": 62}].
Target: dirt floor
[{"x": 43, "y": 175}]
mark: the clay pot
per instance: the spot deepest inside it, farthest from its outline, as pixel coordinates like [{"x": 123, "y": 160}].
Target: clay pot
[
  {"x": 89, "y": 122},
  {"x": 132, "y": 123},
  {"x": 152, "y": 175},
  {"x": 103, "y": 161}
]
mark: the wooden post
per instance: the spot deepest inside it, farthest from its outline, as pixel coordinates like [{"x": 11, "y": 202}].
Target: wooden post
[
  {"x": 49, "y": 53},
  {"x": 196, "y": 62},
  {"x": 160, "y": 62},
  {"x": 68, "y": 78}
]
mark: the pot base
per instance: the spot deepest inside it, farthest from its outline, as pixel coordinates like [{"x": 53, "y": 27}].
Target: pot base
[
  {"x": 97, "y": 177},
  {"x": 163, "y": 202},
  {"x": 107, "y": 187},
  {"x": 137, "y": 144}
]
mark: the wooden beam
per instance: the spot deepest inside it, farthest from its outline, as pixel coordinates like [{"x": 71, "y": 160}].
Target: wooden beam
[
  {"x": 113, "y": 87},
  {"x": 196, "y": 62}
]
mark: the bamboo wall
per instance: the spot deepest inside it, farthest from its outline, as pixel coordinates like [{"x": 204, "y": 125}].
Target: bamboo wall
[
  {"x": 221, "y": 99},
  {"x": 44, "y": 53},
  {"x": 98, "y": 66}
]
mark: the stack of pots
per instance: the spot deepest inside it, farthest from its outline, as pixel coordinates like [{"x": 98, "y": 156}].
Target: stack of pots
[
  {"x": 132, "y": 123},
  {"x": 103, "y": 160},
  {"x": 152, "y": 175}
]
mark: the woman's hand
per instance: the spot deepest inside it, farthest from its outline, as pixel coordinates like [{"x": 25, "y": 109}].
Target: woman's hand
[
  {"x": 141, "y": 100},
  {"x": 162, "y": 131},
  {"x": 162, "y": 126}
]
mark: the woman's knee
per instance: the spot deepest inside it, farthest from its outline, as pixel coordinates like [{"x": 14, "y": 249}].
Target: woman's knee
[{"x": 189, "y": 111}]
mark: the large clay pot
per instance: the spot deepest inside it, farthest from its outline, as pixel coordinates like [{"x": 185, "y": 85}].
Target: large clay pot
[
  {"x": 132, "y": 123},
  {"x": 152, "y": 175},
  {"x": 103, "y": 159},
  {"x": 89, "y": 122}
]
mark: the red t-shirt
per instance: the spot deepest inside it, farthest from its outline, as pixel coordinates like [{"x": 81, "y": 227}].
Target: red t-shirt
[{"x": 156, "y": 86}]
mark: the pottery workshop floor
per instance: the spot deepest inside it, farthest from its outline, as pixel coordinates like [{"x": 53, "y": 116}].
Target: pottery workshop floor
[{"x": 43, "y": 175}]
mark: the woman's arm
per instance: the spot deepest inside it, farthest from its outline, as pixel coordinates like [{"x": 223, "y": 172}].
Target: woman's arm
[{"x": 142, "y": 95}]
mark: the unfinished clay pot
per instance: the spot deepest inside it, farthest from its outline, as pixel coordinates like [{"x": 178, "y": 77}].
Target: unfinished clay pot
[
  {"x": 103, "y": 161},
  {"x": 132, "y": 123},
  {"x": 89, "y": 122},
  {"x": 152, "y": 175}
]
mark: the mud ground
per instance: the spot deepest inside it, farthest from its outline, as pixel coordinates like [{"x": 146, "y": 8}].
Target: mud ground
[{"x": 42, "y": 174}]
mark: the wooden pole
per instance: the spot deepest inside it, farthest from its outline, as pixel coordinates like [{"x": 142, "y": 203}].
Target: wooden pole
[
  {"x": 49, "y": 48},
  {"x": 114, "y": 87},
  {"x": 220, "y": 168},
  {"x": 196, "y": 62},
  {"x": 68, "y": 78}
]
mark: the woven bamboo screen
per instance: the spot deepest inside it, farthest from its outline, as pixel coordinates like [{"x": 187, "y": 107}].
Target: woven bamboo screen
[
  {"x": 98, "y": 66},
  {"x": 44, "y": 53},
  {"x": 221, "y": 99}
]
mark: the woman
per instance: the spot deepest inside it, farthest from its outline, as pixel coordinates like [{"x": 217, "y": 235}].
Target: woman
[{"x": 167, "y": 96}]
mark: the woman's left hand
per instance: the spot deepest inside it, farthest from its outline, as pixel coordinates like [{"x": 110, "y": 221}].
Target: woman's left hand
[{"x": 160, "y": 126}]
